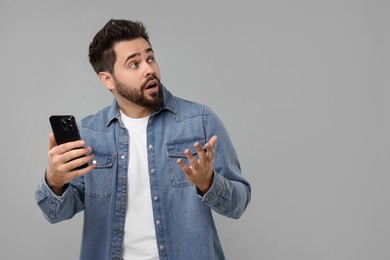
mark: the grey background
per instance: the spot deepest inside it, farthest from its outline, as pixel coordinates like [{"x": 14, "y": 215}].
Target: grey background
[{"x": 302, "y": 87}]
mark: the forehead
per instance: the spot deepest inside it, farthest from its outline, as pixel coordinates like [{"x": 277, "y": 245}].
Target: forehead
[{"x": 124, "y": 49}]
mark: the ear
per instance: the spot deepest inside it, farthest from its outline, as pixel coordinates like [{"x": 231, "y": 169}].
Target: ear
[{"x": 107, "y": 80}]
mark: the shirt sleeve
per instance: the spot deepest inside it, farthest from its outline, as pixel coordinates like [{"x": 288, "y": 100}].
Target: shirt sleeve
[
  {"x": 230, "y": 192},
  {"x": 57, "y": 208}
]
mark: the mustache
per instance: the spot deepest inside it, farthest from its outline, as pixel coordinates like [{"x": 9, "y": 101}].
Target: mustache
[{"x": 150, "y": 78}]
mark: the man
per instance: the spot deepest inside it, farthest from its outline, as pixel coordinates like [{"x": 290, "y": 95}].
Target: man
[{"x": 156, "y": 169}]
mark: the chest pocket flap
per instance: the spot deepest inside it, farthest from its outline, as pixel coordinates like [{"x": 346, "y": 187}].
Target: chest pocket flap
[
  {"x": 176, "y": 148},
  {"x": 104, "y": 160}
]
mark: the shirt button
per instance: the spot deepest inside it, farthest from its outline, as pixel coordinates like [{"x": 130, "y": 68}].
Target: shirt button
[
  {"x": 161, "y": 247},
  {"x": 150, "y": 146},
  {"x": 123, "y": 156},
  {"x": 152, "y": 170},
  {"x": 158, "y": 222},
  {"x": 155, "y": 197}
]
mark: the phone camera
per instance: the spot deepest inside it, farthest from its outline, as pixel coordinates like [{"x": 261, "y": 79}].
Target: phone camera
[{"x": 67, "y": 124}]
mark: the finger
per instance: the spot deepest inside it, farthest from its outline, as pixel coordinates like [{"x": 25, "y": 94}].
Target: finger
[
  {"x": 210, "y": 145},
  {"x": 200, "y": 151},
  {"x": 191, "y": 159},
  {"x": 52, "y": 141},
  {"x": 66, "y": 147},
  {"x": 187, "y": 170},
  {"x": 213, "y": 140},
  {"x": 76, "y": 153},
  {"x": 80, "y": 161}
]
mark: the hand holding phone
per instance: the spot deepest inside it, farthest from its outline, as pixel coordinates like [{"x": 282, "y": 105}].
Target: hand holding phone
[
  {"x": 65, "y": 130},
  {"x": 68, "y": 156}
]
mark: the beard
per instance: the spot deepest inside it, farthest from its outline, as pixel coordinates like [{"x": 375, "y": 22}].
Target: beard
[{"x": 137, "y": 96}]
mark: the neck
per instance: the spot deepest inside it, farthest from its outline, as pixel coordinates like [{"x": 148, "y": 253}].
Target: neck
[{"x": 132, "y": 110}]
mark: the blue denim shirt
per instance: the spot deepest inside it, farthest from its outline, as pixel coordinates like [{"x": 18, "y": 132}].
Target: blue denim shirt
[{"x": 184, "y": 224}]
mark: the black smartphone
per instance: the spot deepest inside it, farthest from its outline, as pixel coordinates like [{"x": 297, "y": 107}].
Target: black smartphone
[{"x": 65, "y": 130}]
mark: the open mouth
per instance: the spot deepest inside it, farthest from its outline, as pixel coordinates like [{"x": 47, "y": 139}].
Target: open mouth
[{"x": 152, "y": 84}]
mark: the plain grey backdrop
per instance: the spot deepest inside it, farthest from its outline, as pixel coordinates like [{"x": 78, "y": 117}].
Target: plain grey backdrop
[{"x": 302, "y": 87}]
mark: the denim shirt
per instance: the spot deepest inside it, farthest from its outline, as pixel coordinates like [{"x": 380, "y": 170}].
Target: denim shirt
[{"x": 183, "y": 219}]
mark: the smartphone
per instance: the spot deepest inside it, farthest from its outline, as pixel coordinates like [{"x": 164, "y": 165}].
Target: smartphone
[{"x": 65, "y": 130}]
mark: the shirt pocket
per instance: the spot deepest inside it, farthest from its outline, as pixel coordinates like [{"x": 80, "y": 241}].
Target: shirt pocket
[
  {"x": 175, "y": 151},
  {"x": 98, "y": 183}
]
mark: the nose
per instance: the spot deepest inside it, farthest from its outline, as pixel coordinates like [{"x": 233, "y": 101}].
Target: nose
[{"x": 149, "y": 70}]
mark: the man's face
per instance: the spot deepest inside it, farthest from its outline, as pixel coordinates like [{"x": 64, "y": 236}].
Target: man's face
[{"x": 136, "y": 74}]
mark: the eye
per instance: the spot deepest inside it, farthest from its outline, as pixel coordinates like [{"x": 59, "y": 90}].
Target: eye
[
  {"x": 151, "y": 59},
  {"x": 133, "y": 65}
]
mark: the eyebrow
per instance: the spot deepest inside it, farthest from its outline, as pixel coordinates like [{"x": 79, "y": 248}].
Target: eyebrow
[{"x": 138, "y": 54}]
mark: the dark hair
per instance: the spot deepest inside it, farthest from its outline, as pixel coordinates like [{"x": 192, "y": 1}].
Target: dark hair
[{"x": 101, "y": 53}]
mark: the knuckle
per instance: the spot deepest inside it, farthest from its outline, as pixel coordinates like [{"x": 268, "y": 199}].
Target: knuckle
[
  {"x": 50, "y": 153},
  {"x": 60, "y": 168}
]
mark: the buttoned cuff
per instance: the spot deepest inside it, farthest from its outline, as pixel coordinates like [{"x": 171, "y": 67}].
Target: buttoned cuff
[{"x": 211, "y": 197}]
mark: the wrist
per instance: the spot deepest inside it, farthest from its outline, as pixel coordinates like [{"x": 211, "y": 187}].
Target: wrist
[
  {"x": 56, "y": 189},
  {"x": 203, "y": 189}
]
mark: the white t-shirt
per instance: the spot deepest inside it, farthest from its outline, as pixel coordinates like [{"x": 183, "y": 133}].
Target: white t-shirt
[{"x": 140, "y": 235}]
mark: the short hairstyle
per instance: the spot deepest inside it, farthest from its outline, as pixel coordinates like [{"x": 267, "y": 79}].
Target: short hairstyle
[{"x": 101, "y": 52}]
